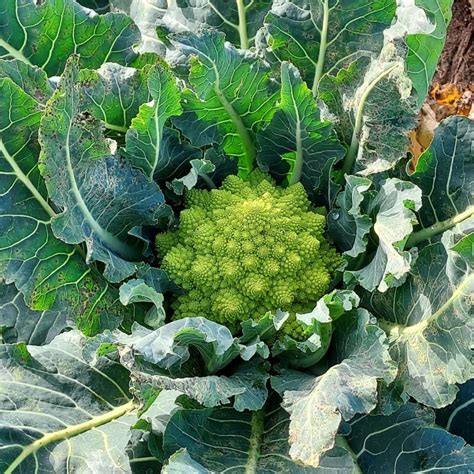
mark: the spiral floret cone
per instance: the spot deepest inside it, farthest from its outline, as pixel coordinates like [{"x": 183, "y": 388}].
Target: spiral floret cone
[{"x": 248, "y": 248}]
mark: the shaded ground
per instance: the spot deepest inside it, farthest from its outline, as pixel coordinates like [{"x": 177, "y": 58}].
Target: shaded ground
[{"x": 457, "y": 60}]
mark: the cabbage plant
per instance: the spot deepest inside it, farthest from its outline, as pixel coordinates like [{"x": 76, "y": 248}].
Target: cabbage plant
[{"x": 138, "y": 138}]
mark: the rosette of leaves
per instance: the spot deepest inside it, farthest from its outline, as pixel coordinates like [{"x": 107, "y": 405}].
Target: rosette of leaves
[{"x": 94, "y": 376}]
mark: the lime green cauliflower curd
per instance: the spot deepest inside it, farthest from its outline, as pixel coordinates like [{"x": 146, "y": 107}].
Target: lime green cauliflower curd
[{"x": 246, "y": 249}]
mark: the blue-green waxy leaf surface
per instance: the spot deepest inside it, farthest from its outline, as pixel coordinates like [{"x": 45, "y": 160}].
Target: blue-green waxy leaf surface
[
  {"x": 445, "y": 174},
  {"x": 297, "y": 145},
  {"x": 169, "y": 346},
  {"x": 46, "y": 33},
  {"x": 231, "y": 93},
  {"x": 318, "y": 405},
  {"x": 137, "y": 290},
  {"x": 101, "y": 197},
  {"x": 458, "y": 418},
  {"x": 245, "y": 386},
  {"x": 348, "y": 223},
  {"x": 51, "y": 275},
  {"x": 18, "y": 323},
  {"x": 429, "y": 320},
  {"x": 239, "y": 20},
  {"x": 408, "y": 441},
  {"x": 392, "y": 213},
  {"x": 59, "y": 412},
  {"x": 220, "y": 439}
]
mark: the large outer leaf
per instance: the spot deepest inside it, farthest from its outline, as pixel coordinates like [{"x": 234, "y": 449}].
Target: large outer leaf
[
  {"x": 392, "y": 213},
  {"x": 317, "y": 405},
  {"x": 18, "y": 323},
  {"x": 425, "y": 48},
  {"x": 114, "y": 94},
  {"x": 246, "y": 385},
  {"x": 356, "y": 58},
  {"x": 445, "y": 174},
  {"x": 222, "y": 438},
  {"x": 59, "y": 413},
  {"x": 429, "y": 320},
  {"x": 240, "y": 27},
  {"x": 51, "y": 274},
  {"x": 238, "y": 19},
  {"x": 101, "y": 197},
  {"x": 46, "y": 34},
  {"x": 408, "y": 441},
  {"x": 377, "y": 136},
  {"x": 331, "y": 33},
  {"x": 458, "y": 418},
  {"x": 147, "y": 15},
  {"x": 232, "y": 94},
  {"x": 150, "y": 146},
  {"x": 297, "y": 144}
]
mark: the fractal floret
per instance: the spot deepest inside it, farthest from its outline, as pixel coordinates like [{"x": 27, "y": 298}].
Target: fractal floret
[{"x": 248, "y": 248}]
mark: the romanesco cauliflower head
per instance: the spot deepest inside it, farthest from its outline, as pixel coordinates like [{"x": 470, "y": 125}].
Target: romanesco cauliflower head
[{"x": 248, "y": 248}]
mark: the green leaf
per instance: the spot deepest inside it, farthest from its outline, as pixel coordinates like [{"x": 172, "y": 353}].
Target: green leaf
[
  {"x": 18, "y": 323},
  {"x": 59, "y": 412},
  {"x": 392, "y": 213},
  {"x": 99, "y": 6},
  {"x": 207, "y": 173},
  {"x": 324, "y": 35},
  {"x": 318, "y": 405},
  {"x": 180, "y": 462},
  {"x": 199, "y": 169},
  {"x": 348, "y": 223},
  {"x": 138, "y": 291},
  {"x": 75, "y": 159},
  {"x": 297, "y": 144},
  {"x": 51, "y": 275},
  {"x": 114, "y": 93},
  {"x": 147, "y": 15},
  {"x": 232, "y": 94},
  {"x": 238, "y": 19},
  {"x": 408, "y": 441},
  {"x": 246, "y": 385},
  {"x": 222, "y": 438},
  {"x": 144, "y": 138},
  {"x": 31, "y": 79},
  {"x": 331, "y": 307},
  {"x": 169, "y": 346},
  {"x": 46, "y": 34},
  {"x": 429, "y": 321},
  {"x": 458, "y": 418},
  {"x": 377, "y": 137},
  {"x": 355, "y": 56},
  {"x": 424, "y": 49},
  {"x": 445, "y": 174}
]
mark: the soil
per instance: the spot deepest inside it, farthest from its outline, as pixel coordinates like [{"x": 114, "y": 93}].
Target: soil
[{"x": 456, "y": 65}]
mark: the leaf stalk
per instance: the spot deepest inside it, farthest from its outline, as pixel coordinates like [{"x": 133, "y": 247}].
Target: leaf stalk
[
  {"x": 438, "y": 228},
  {"x": 244, "y": 38},
  {"x": 256, "y": 434},
  {"x": 322, "y": 48},
  {"x": 69, "y": 432}
]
